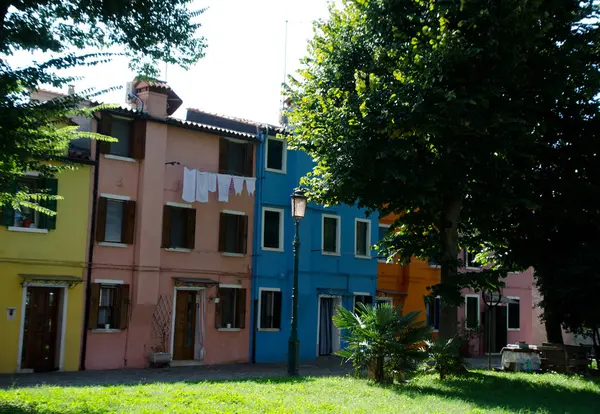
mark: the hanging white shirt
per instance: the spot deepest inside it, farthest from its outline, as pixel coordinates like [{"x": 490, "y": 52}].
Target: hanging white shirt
[
  {"x": 238, "y": 184},
  {"x": 189, "y": 185},
  {"x": 250, "y": 185},
  {"x": 201, "y": 187},
  {"x": 224, "y": 181},
  {"x": 212, "y": 182}
]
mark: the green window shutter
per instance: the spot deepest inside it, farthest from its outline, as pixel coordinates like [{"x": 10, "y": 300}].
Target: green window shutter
[
  {"x": 8, "y": 213},
  {"x": 51, "y": 185}
]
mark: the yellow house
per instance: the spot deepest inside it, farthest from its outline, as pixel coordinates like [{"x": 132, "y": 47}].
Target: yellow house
[{"x": 42, "y": 267}]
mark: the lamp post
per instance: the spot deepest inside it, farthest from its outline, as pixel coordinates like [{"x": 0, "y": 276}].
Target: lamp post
[{"x": 298, "y": 211}]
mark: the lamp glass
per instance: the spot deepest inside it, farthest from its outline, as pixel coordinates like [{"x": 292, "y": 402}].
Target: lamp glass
[{"x": 298, "y": 204}]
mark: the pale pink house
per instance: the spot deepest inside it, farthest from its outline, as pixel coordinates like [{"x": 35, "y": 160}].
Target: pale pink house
[
  {"x": 511, "y": 319},
  {"x": 164, "y": 270}
]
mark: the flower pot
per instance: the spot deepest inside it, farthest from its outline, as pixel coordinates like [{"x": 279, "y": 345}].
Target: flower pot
[{"x": 159, "y": 358}]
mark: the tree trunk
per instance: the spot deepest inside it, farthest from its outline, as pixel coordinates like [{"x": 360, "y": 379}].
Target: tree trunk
[
  {"x": 553, "y": 328},
  {"x": 449, "y": 240}
]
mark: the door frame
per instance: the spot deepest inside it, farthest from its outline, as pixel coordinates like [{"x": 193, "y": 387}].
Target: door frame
[
  {"x": 63, "y": 323},
  {"x": 336, "y": 337},
  {"x": 199, "y": 291}
]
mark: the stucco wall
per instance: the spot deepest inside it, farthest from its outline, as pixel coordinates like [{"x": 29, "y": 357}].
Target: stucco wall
[{"x": 59, "y": 252}]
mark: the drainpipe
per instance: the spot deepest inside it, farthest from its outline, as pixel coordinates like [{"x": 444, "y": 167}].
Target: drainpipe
[
  {"x": 88, "y": 287},
  {"x": 258, "y": 201}
]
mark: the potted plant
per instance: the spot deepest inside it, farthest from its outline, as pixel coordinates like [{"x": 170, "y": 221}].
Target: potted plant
[{"x": 161, "y": 326}]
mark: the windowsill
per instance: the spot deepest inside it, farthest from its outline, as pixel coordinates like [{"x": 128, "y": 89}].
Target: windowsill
[
  {"x": 275, "y": 171},
  {"x": 356, "y": 256},
  {"x": 27, "y": 229},
  {"x": 178, "y": 250},
  {"x": 472, "y": 268},
  {"x": 271, "y": 249},
  {"x": 435, "y": 266},
  {"x": 329, "y": 254},
  {"x": 268, "y": 330},
  {"x": 229, "y": 329},
  {"x": 227, "y": 254},
  {"x": 119, "y": 158},
  {"x": 105, "y": 330},
  {"x": 513, "y": 329},
  {"x": 112, "y": 244}
]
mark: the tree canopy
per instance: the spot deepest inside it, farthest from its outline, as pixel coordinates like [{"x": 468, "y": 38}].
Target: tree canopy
[
  {"x": 440, "y": 112},
  {"x": 75, "y": 33}
]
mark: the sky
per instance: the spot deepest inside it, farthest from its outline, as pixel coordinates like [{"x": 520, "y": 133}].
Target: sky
[{"x": 242, "y": 72}]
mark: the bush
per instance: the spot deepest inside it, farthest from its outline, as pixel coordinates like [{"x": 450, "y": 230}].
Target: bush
[
  {"x": 381, "y": 340},
  {"x": 444, "y": 357}
]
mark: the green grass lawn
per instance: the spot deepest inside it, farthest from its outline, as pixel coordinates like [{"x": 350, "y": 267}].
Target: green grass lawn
[{"x": 479, "y": 392}]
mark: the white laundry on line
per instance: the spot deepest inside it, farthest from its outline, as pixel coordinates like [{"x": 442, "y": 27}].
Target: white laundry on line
[
  {"x": 212, "y": 182},
  {"x": 250, "y": 185},
  {"x": 238, "y": 184},
  {"x": 189, "y": 185},
  {"x": 224, "y": 181},
  {"x": 201, "y": 187}
]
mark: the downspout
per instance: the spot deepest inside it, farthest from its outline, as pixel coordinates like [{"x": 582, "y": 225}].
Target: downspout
[
  {"x": 258, "y": 200},
  {"x": 88, "y": 287}
]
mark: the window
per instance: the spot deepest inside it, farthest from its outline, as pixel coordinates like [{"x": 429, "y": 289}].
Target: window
[
  {"x": 272, "y": 236},
  {"x": 383, "y": 229},
  {"x": 231, "y": 309},
  {"x": 432, "y": 309},
  {"x": 472, "y": 311},
  {"x": 362, "y": 232},
  {"x": 115, "y": 220},
  {"x": 131, "y": 135},
  {"x": 27, "y": 217},
  {"x": 383, "y": 301},
  {"x": 109, "y": 305},
  {"x": 470, "y": 260},
  {"x": 331, "y": 234},
  {"x": 514, "y": 313},
  {"x": 364, "y": 299},
  {"x": 276, "y": 155},
  {"x": 236, "y": 157},
  {"x": 270, "y": 309},
  {"x": 179, "y": 228},
  {"x": 233, "y": 233}
]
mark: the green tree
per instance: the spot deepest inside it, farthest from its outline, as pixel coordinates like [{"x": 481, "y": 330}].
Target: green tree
[
  {"x": 437, "y": 111},
  {"x": 32, "y": 133},
  {"x": 382, "y": 340}
]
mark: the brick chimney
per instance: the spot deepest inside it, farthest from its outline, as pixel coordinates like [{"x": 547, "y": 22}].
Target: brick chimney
[{"x": 160, "y": 101}]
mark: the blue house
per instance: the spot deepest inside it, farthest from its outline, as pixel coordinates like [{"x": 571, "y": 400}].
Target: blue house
[{"x": 336, "y": 266}]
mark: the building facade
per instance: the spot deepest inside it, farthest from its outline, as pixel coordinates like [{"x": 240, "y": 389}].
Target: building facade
[
  {"x": 42, "y": 267},
  {"x": 172, "y": 246},
  {"x": 336, "y": 265}
]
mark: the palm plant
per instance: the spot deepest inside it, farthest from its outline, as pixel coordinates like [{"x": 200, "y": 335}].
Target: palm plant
[
  {"x": 382, "y": 340},
  {"x": 445, "y": 358}
]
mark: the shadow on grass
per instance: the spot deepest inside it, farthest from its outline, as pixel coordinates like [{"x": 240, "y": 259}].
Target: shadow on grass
[{"x": 512, "y": 394}]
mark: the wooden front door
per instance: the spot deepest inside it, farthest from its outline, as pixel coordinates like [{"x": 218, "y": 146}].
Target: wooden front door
[
  {"x": 40, "y": 333},
  {"x": 185, "y": 325}
]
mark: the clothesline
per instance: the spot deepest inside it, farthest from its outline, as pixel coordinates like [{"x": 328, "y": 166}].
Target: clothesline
[{"x": 197, "y": 185}]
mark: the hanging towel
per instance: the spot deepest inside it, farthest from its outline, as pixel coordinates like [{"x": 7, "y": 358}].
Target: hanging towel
[
  {"x": 250, "y": 185},
  {"x": 201, "y": 187},
  {"x": 189, "y": 185},
  {"x": 212, "y": 182},
  {"x": 224, "y": 182},
  {"x": 238, "y": 184}
]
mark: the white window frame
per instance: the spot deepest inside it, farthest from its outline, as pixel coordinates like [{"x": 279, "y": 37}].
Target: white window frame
[
  {"x": 465, "y": 256},
  {"x": 355, "y": 294},
  {"x": 433, "y": 328},
  {"x": 260, "y": 291},
  {"x": 387, "y": 226},
  {"x": 281, "y": 216},
  {"x": 368, "y": 241},
  {"x": 470, "y": 295},
  {"x": 508, "y": 311},
  {"x": 283, "y": 155},
  {"x": 338, "y": 234},
  {"x": 229, "y": 286},
  {"x": 107, "y": 283}
]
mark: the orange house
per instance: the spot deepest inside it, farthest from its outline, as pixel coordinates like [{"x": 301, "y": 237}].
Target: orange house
[{"x": 404, "y": 285}]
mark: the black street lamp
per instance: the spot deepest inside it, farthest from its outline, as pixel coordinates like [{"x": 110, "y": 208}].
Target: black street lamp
[{"x": 298, "y": 211}]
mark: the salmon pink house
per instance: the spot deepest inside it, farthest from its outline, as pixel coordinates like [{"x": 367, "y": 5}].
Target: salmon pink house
[{"x": 173, "y": 208}]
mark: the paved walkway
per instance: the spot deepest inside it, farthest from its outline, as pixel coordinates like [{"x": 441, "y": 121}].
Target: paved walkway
[
  {"x": 326, "y": 366},
  {"x": 319, "y": 368}
]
